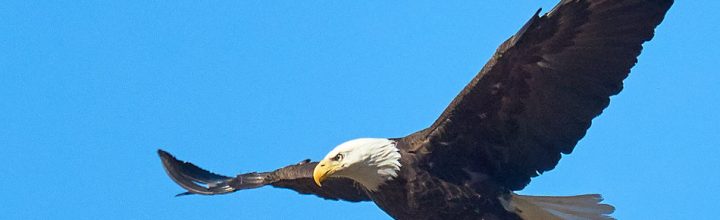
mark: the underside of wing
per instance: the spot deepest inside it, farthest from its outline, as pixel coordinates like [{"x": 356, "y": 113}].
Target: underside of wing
[{"x": 537, "y": 95}]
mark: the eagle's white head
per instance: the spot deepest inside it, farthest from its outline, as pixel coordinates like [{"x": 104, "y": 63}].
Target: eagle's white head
[{"x": 368, "y": 161}]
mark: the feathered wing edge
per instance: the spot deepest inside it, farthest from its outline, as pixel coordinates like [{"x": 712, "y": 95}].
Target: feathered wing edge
[
  {"x": 199, "y": 181},
  {"x": 297, "y": 177}
]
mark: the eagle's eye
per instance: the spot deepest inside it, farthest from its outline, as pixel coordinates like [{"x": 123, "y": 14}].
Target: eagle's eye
[{"x": 337, "y": 157}]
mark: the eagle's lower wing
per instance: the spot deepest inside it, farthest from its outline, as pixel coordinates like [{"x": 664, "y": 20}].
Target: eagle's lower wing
[
  {"x": 537, "y": 95},
  {"x": 297, "y": 177}
]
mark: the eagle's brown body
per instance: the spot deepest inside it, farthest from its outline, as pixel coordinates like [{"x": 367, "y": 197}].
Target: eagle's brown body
[{"x": 418, "y": 194}]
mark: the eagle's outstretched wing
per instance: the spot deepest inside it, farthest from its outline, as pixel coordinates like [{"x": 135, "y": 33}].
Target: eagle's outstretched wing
[
  {"x": 297, "y": 177},
  {"x": 537, "y": 95}
]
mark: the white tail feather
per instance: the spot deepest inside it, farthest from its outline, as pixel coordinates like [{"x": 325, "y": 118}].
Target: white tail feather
[{"x": 580, "y": 207}]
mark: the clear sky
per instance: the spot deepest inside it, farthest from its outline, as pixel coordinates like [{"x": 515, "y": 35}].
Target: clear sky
[{"x": 89, "y": 91}]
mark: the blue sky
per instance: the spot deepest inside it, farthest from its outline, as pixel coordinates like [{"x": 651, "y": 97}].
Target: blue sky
[{"x": 89, "y": 90}]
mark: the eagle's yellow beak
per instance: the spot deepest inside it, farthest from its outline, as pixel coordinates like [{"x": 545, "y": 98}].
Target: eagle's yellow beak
[{"x": 322, "y": 171}]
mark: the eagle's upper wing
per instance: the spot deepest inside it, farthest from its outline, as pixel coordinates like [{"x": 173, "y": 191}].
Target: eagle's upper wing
[
  {"x": 297, "y": 177},
  {"x": 536, "y": 96}
]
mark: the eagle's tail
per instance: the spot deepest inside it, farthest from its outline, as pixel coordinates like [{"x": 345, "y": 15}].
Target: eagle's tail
[{"x": 580, "y": 207}]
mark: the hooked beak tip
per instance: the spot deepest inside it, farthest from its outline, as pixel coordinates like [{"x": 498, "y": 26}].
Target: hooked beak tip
[{"x": 321, "y": 172}]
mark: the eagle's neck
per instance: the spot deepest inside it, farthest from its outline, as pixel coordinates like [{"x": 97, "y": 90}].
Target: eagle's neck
[{"x": 379, "y": 162}]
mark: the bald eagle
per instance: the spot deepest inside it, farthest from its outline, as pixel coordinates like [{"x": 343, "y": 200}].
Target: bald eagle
[{"x": 531, "y": 103}]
